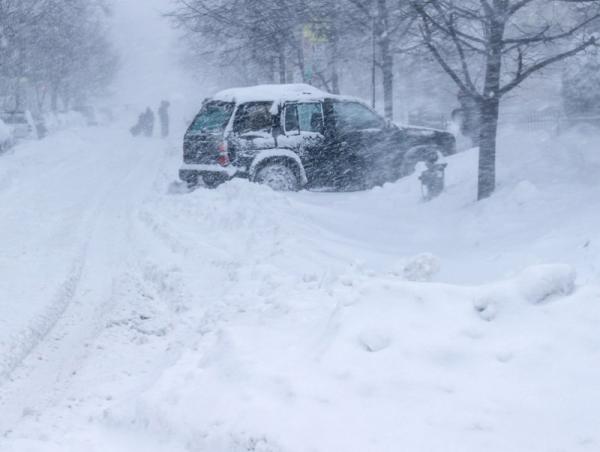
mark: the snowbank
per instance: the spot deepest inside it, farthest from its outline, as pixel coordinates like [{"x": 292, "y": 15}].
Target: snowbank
[
  {"x": 314, "y": 348},
  {"x": 242, "y": 319},
  {"x": 368, "y": 362},
  {"x": 545, "y": 282}
]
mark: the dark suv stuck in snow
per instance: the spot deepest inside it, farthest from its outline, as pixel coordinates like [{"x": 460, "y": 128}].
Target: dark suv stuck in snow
[{"x": 293, "y": 136}]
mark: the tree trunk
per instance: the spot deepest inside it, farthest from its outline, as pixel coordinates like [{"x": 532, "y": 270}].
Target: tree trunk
[
  {"x": 301, "y": 62},
  {"x": 40, "y": 97},
  {"x": 388, "y": 81},
  {"x": 282, "y": 65},
  {"x": 54, "y": 98},
  {"x": 490, "y": 109},
  {"x": 387, "y": 59},
  {"x": 18, "y": 97},
  {"x": 271, "y": 69},
  {"x": 374, "y": 68},
  {"x": 335, "y": 76}
]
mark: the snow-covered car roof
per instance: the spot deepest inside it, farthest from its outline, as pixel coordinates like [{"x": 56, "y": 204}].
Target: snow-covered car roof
[{"x": 274, "y": 93}]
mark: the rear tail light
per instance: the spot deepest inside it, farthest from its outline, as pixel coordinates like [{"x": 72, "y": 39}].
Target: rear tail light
[{"x": 223, "y": 158}]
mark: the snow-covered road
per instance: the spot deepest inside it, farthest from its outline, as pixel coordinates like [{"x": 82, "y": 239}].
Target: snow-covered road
[
  {"x": 67, "y": 210},
  {"x": 133, "y": 317}
]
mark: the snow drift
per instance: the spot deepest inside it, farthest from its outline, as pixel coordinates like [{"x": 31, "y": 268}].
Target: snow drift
[{"x": 243, "y": 319}]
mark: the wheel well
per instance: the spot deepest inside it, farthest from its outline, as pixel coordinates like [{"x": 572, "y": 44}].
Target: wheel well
[{"x": 287, "y": 161}]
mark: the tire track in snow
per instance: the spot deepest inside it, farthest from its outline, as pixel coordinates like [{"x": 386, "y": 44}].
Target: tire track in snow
[
  {"x": 41, "y": 326},
  {"x": 54, "y": 345}
]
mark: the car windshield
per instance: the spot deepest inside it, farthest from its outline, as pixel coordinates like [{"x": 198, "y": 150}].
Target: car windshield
[{"x": 214, "y": 116}]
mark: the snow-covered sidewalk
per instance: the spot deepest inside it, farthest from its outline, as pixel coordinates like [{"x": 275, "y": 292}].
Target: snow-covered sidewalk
[{"x": 134, "y": 318}]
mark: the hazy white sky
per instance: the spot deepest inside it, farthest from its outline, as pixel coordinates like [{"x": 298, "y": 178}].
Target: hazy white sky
[{"x": 148, "y": 47}]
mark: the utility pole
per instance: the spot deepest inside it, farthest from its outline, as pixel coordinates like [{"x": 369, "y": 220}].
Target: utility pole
[{"x": 374, "y": 69}]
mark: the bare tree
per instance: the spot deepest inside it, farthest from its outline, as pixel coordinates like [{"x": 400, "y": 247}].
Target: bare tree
[
  {"x": 60, "y": 47},
  {"x": 309, "y": 39},
  {"x": 265, "y": 32},
  {"x": 390, "y": 24},
  {"x": 489, "y": 47}
]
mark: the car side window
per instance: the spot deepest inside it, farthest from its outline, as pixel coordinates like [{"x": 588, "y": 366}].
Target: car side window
[
  {"x": 291, "y": 118},
  {"x": 310, "y": 116},
  {"x": 304, "y": 117},
  {"x": 355, "y": 116},
  {"x": 253, "y": 117}
]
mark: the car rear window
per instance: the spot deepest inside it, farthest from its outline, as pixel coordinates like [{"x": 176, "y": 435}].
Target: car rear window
[
  {"x": 253, "y": 117},
  {"x": 213, "y": 117}
]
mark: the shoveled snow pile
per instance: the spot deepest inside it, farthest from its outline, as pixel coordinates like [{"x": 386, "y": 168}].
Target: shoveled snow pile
[
  {"x": 384, "y": 363},
  {"x": 544, "y": 282},
  {"x": 421, "y": 267},
  {"x": 241, "y": 319}
]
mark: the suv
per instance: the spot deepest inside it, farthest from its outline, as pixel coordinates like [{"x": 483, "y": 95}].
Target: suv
[{"x": 293, "y": 136}]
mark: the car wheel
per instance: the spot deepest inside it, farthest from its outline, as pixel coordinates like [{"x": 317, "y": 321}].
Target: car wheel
[{"x": 277, "y": 176}]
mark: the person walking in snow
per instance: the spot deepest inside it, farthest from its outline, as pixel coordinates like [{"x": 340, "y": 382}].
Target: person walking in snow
[
  {"x": 148, "y": 122},
  {"x": 136, "y": 130},
  {"x": 144, "y": 125},
  {"x": 163, "y": 115}
]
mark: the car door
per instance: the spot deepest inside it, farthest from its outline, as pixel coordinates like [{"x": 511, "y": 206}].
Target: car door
[
  {"x": 303, "y": 133},
  {"x": 360, "y": 144},
  {"x": 252, "y": 130}
]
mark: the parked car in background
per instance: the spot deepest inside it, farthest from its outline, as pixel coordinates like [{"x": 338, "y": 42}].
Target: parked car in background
[
  {"x": 21, "y": 123},
  {"x": 293, "y": 136}
]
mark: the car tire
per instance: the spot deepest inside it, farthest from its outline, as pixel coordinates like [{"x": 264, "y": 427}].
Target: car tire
[{"x": 278, "y": 176}]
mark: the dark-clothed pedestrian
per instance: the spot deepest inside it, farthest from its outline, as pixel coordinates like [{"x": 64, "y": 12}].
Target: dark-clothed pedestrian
[
  {"x": 163, "y": 115},
  {"x": 137, "y": 128},
  {"x": 144, "y": 125},
  {"x": 148, "y": 123}
]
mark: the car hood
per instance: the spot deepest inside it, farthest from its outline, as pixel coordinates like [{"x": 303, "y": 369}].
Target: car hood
[{"x": 419, "y": 130}]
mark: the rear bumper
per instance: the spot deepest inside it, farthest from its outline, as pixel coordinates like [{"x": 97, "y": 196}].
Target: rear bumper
[{"x": 192, "y": 173}]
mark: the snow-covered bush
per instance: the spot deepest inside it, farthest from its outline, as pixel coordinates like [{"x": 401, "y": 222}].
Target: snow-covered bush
[
  {"x": 541, "y": 283},
  {"x": 421, "y": 267}
]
